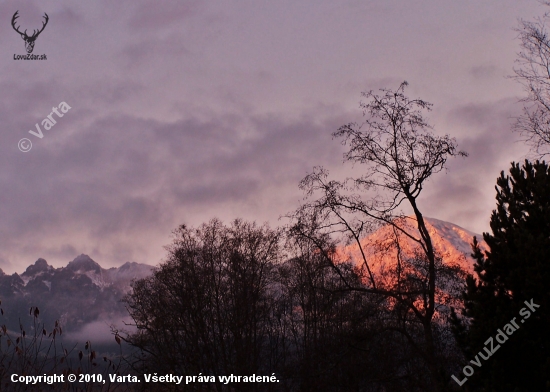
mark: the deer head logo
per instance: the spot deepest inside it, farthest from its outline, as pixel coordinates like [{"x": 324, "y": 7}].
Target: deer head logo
[{"x": 29, "y": 41}]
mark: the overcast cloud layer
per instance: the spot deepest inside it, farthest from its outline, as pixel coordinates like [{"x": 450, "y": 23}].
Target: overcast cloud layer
[{"x": 185, "y": 110}]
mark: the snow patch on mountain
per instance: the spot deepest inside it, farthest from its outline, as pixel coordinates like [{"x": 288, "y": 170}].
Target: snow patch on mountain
[
  {"x": 450, "y": 241},
  {"x": 83, "y": 265},
  {"x": 458, "y": 237}
]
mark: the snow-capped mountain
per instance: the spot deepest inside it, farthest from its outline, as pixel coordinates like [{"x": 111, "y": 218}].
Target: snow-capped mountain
[
  {"x": 391, "y": 259},
  {"x": 83, "y": 293},
  {"x": 451, "y": 242},
  {"x": 78, "y": 294}
]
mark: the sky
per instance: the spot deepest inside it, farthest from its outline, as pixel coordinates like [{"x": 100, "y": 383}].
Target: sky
[{"x": 182, "y": 111}]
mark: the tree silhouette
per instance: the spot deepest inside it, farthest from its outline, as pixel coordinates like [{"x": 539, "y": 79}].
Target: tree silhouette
[
  {"x": 398, "y": 153},
  {"x": 207, "y": 309},
  {"x": 516, "y": 269}
]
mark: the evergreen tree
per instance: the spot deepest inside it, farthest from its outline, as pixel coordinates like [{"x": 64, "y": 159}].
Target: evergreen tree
[{"x": 513, "y": 278}]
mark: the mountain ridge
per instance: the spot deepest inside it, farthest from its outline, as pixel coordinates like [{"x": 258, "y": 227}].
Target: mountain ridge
[
  {"x": 83, "y": 293},
  {"x": 77, "y": 294},
  {"x": 450, "y": 241}
]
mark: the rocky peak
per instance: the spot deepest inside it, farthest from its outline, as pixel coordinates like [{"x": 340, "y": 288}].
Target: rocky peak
[
  {"x": 38, "y": 267},
  {"x": 84, "y": 263}
]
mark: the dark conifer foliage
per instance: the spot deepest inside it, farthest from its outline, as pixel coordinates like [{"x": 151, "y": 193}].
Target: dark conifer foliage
[{"x": 515, "y": 269}]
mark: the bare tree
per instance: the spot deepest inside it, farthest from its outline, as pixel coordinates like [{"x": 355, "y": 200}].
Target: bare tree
[
  {"x": 208, "y": 308},
  {"x": 399, "y": 152},
  {"x": 533, "y": 73},
  {"x": 327, "y": 327}
]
